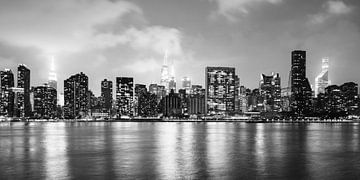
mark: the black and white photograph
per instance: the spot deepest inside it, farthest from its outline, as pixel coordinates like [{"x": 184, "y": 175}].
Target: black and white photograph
[{"x": 179, "y": 89}]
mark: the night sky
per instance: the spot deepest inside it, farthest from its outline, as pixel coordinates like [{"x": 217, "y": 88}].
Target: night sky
[{"x": 108, "y": 39}]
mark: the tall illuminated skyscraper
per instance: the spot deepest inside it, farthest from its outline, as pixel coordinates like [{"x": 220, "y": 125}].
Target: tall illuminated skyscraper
[
  {"x": 322, "y": 80},
  {"x": 165, "y": 75},
  {"x": 24, "y": 98},
  {"x": 76, "y": 104},
  {"x": 300, "y": 87},
  {"x": 125, "y": 96},
  {"x": 172, "y": 81},
  {"x": 52, "y": 81},
  {"x": 7, "y": 95},
  {"x": 106, "y": 95}
]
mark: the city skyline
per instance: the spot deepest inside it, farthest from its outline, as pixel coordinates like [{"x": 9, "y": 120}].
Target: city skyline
[{"x": 130, "y": 38}]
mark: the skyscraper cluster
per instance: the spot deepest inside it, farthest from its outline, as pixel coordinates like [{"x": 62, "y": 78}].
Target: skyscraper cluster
[{"x": 222, "y": 96}]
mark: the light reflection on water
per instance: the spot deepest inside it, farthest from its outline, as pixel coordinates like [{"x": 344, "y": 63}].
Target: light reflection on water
[{"x": 125, "y": 150}]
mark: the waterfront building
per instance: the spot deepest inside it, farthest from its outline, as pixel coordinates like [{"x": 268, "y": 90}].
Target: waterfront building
[
  {"x": 196, "y": 105},
  {"x": 237, "y": 95},
  {"x": 125, "y": 96},
  {"x": 338, "y": 101},
  {"x": 243, "y": 98},
  {"x": 171, "y": 105},
  {"x": 23, "y": 81},
  {"x": 7, "y": 97},
  {"x": 350, "y": 97},
  {"x": 270, "y": 90},
  {"x": 334, "y": 101},
  {"x": 45, "y": 100},
  {"x": 254, "y": 100},
  {"x": 76, "y": 103},
  {"x": 147, "y": 105},
  {"x": 139, "y": 90},
  {"x": 301, "y": 92},
  {"x": 106, "y": 95},
  {"x": 220, "y": 90},
  {"x": 322, "y": 80}
]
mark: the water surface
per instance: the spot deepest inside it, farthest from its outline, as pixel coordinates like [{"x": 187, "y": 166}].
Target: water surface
[{"x": 144, "y": 150}]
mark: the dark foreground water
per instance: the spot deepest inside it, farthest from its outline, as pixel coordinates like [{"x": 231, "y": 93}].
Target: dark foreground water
[{"x": 125, "y": 150}]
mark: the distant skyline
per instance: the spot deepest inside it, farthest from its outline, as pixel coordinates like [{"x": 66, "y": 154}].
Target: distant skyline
[{"x": 110, "y": 38}]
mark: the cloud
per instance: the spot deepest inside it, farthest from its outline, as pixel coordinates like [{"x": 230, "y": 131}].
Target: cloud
[
  {"x": 157, "y": 39},
  {"x": 144, "y": 65},
  {"x": 337, "y": 7},
  {"x": 331, "y": 9},
  {"x": 230, "y": 8},
  {"x": 72, "y": 26},
  {"x": 56, "y": 26}
]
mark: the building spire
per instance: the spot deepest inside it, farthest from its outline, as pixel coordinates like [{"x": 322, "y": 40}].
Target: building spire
[{"x": 52, "y": 74}]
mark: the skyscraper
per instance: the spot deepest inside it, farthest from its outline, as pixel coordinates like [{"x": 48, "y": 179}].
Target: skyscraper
[
  {"x": 125, "y": 96},
  {"x": 300, "y": 87},
  {"x": 140, "y": 89},
  {"x": 220, "y": 90},
  {"x": 24, "y": 98},
  {"x": 76, "y": 104},
  {"x": 350, "y": 97},
  {"x": 171, "y": 105},
  {"x": 158, "y": 90},
  {"x": 186, "y": 84},
  {"x": 165, "y": 74},
  {"x": 52, "y": 81},
  {"x": 45, "y": 102},
  {"x": 7, "y": 97},
  {"x": 172, "y": 81},
  {"x": 322, "y": 80},
  {"x": 270, "y": 91},
  {"x": 106, "y": 95}
]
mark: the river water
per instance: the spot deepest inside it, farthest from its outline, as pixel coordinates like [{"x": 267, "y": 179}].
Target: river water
[{"x": 169, "y": 150}]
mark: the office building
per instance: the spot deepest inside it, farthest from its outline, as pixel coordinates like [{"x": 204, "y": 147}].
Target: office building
[
  {"x": 322, "y": 80},
  {"x": 7, "y": 97},
  {"x": 76, "y": 103},
  {"x": 270, "y": 91},
  {"x": 106, "y": 95},
  {"x": 125, "y": 96},
  {"x": 45, "y": 100},
  {"x": 220, "y": 90},
  {"x": 301, "y": 92},
  {"x": 23, "y": 81}
]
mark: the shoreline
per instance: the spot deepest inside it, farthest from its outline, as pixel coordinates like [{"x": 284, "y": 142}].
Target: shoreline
[{"x": 188, "y": 120}]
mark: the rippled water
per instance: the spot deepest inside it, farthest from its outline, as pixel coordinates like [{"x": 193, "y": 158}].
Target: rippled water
[{"x": 128, "y": 150}]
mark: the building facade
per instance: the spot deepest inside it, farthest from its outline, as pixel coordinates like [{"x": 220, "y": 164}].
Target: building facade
[
  {"x": 76, "y": 103},
  {"x": 171, "y": 105},
  {"x": 322, "y": 80},
  {"x": 106, "y": 95},
  {"x": 7, "y": 96},
  {"x": 301, "y": 92},
  {"x": 45, "y": 100},
  {"x": 125, "y": 96},
  {"x": 220, "y": 90},
  {"x": 270, "y": 91},
  {"x": 23, "y": 81}
]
